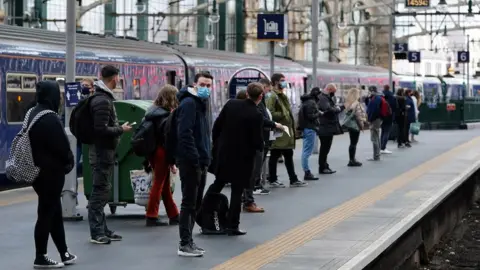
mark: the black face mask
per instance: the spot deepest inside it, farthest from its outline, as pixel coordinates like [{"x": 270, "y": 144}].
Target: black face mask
[{"x": 332, "y": 94}]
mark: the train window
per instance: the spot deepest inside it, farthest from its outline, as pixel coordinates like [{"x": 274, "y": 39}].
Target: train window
[
  {"x": 171, "y": 75},
  {"x": 29, "y": 82},
  {"x": 20, "y": 96},
  {"x": 14, "y": 82},
  {"x": 136, "y": 89},
  {"x": 119, "y": 84}
]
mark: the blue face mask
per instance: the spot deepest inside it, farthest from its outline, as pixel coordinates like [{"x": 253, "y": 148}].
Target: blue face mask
[
  {"x": 85, "y": 90},
  {"x": 283, "y": 85},
  {"x": 203, "y": 92}
]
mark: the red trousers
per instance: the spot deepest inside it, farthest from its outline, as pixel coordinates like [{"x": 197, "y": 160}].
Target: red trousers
[{"x": 161, "y": 187}]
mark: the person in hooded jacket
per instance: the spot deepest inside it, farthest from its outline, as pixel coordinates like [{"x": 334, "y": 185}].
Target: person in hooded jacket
[
  {"x": 51, "y": 153},
  {"x": 387, "y": 122},
  {"x": 165, "y": 103},
  {"x": 193, "y": 156},
  {"x": 309, "y": 124},
  {"x": 102, "y": 154},
  {"x": 329, "y": 125}
]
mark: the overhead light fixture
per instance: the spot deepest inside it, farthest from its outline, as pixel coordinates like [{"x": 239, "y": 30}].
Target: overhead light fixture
[
  {"x": 141, "y": 6},
  {"x": 469, "y": 18},
  {"x": 442, "y": 6}
]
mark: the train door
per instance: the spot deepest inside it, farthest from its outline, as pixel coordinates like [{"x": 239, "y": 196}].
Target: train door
[
  {"x": 137, "y": 93},
  {"x": 20, "y": 96}
]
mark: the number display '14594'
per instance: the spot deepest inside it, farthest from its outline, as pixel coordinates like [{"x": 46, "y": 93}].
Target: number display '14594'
[{"x": 417, "y": 3}]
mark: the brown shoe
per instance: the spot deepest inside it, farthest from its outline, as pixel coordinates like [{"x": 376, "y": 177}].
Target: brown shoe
[{"x": 253, "y": 208}]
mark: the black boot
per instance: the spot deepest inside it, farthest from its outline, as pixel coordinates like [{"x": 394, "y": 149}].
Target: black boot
[
  {"x": 309, "y": 176},
  {"x": 351, "y": 154}
]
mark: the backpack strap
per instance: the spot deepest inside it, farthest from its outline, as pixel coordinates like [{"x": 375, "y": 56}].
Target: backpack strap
[
  {"x": 37, "y": 117},
  {"x": 25, "y": 120}
]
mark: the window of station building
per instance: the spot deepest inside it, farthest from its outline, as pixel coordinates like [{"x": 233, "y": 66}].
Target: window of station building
[{"x": 20, "y": 96}]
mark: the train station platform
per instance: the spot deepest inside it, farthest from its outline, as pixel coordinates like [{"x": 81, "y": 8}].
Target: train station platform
[{"x": 342, "y": 221}]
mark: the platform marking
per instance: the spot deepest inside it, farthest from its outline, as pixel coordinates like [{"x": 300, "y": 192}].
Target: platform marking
[
  {"x": 11, "y": 199},
  {"x": 287, "y": 242}
]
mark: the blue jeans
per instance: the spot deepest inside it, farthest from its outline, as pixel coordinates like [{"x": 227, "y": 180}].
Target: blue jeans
[
  {"x": 308, "y": 144},
  {"x": 386, "y": 128}
]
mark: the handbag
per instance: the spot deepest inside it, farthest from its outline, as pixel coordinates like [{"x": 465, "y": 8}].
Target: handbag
[
  {"x": 141, "y": 186},
  {"x": 350, "y": 121},
  {"x": 415, "y": 128}
]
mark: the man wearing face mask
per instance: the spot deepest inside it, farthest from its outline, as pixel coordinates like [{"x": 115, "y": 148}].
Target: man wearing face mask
[
  {"x": 329, "y": 125},
  {"x": 102, "y": 154},
  {"x": 87, "y": 88},
  {"x": 192, "y": 156},
  {"x": 279, "y": 106}
]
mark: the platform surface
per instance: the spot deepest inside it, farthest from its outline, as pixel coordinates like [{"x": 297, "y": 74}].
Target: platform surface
[{"x": 321, "y": 226}]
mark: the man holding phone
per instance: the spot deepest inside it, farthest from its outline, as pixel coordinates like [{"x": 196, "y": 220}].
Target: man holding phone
[{"x": 102, "y": 154}]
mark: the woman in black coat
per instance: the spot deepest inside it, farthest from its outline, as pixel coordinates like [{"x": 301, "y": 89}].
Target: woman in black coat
[{"x": 51, "y": 153}]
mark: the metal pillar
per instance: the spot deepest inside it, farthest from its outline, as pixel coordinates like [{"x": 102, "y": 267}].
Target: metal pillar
[
  {"x": 142, "y": 24},
  {"x": 239, "y": 26},
  {"x": 335, "y": 36},
  {"x": 272, "y": 57},
  {"x": 467, "y": 91},
  {"x": 315, "y": 12},
  {"x": 109, "y": 20},
  {"x": 69, "y": 193},
  {"x": 202, "y": 27},
  {"x": 390, "y": 51},
  {"x": 222, "y": 26},
  {"x": 172, "y": 28}
]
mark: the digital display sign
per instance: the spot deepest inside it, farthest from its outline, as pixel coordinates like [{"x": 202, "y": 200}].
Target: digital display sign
[{"x": 417, "y": 3}]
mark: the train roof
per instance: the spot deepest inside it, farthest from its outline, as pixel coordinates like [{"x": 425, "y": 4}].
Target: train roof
[
  {"x": 344, "y": 68},
  {"x": 15, "y": 40},
  {"x": 205, "y": 57}
]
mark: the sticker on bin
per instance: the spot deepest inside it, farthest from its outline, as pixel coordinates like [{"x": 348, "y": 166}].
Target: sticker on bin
[{"x": 141, "y": 186}]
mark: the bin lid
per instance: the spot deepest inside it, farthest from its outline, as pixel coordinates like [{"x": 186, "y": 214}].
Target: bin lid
[{"x": 143, "y": 104}]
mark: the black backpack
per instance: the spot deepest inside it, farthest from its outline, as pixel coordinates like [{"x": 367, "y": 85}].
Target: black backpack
[
  {"x": 144, "y": 140},
  {"x": 213, "y": 214},
  {"x": 81, "y": 121}
]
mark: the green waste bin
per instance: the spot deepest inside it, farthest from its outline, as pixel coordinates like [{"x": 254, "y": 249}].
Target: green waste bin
[{"x": 125, "y": 160}]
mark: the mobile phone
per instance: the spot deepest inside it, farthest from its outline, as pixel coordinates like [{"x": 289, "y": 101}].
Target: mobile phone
[{"x": 134, "y": 123}]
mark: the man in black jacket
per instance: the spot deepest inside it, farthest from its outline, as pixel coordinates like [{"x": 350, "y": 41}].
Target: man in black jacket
[
  {"x": 193, "y": 155},
  {"x": 102, "y": 154}
]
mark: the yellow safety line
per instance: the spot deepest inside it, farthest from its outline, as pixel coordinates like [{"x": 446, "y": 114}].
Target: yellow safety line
[
  {"x": 287, "y": 242},
  {"x": 11, "y": 199}
]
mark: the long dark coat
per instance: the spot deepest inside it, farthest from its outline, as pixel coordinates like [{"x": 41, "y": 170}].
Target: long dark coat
[
  {"x": 329, "y": 123},
  {"x": 237, "y": 135}
]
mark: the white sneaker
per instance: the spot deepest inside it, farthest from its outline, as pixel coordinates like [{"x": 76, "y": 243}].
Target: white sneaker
[{"x": 386, "y": 151}]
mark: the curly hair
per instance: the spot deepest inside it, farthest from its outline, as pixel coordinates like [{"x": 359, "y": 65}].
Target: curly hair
[{"x": 167, "y": 97}]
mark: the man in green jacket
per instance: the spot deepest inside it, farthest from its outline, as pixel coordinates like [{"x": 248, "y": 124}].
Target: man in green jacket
[{"x": 279, "y": 106}]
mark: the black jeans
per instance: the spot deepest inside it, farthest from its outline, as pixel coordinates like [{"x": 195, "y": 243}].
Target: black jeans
[
  {"x": 235, "y": 201},
  {"x": 193, "y": 181},
  {"x": 352, "y": 149},
  {"x": 102, "y": 162},
  {"x": 325, "y": 145},
  {"x": 386, "y": 128},
  {"x": 275, "y": 154},
  {"x": 49, "y": 211},
  {"x": 402, "y": 133},
  {"x": 256, "y": 179}
]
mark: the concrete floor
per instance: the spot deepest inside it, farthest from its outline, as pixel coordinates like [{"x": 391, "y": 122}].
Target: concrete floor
[{"x": 145, "y": 248}]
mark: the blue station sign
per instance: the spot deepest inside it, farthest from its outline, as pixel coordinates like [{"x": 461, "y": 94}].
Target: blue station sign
[
  {"x": 272, "y": 27},
  {"x": 72, "y": 93},
  {"x": 237, "y": 84}
]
